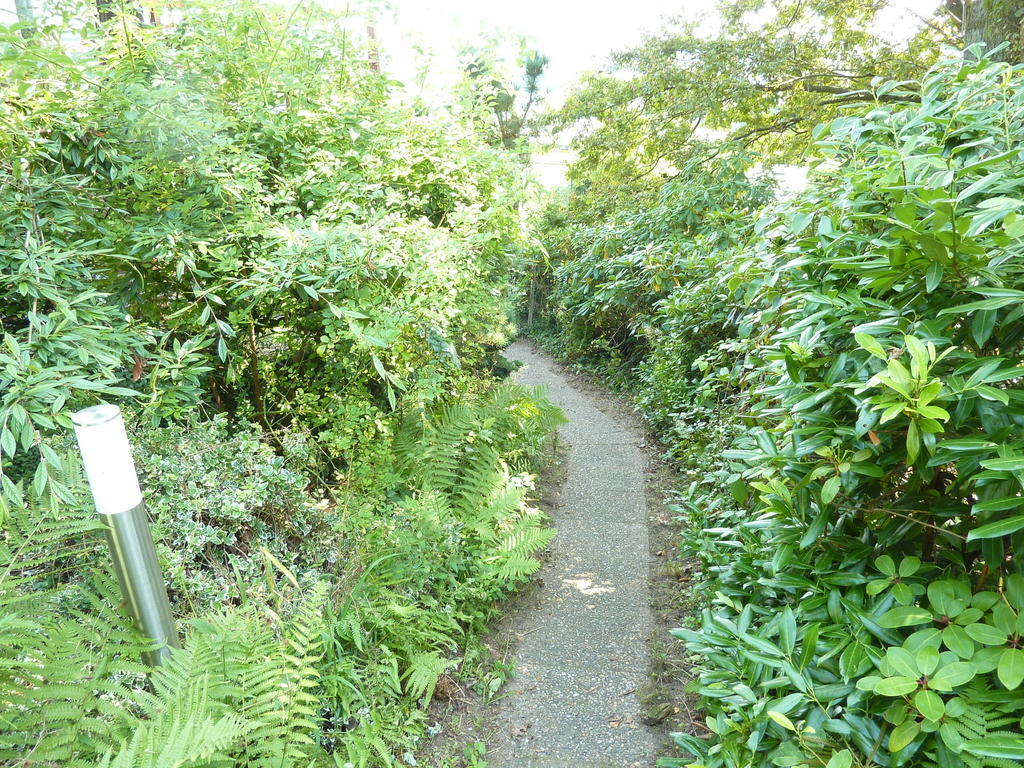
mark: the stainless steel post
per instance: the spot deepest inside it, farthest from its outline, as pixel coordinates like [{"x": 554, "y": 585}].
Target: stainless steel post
[{"x": 110, "y": 469}]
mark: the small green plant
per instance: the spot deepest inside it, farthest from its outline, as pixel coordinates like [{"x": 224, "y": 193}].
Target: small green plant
[
  {"x": 474, "y": 754},
  {"x": 494, "y": 679}
]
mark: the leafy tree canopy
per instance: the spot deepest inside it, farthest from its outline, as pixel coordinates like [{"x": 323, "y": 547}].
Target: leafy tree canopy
[
  {"x": 505, "y": 100},
  {"x": 772, "y": 70}
]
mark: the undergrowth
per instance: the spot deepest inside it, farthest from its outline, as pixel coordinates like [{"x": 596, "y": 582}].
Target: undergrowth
[{"x": 292, "y": 280}]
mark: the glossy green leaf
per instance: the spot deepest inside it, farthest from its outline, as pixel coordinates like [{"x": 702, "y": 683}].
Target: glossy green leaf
[
  {"x": 904, "y": 616},
  {"x": 896, "y": 686},
  {"x": 998, "y": 505},
  {"x": 1011, "y": 668},
  {"x": 985, "y": 634},
  {"x": 929, "y": 704},
  {"x": 952, "y": 676},
  {"x": 958, "y": 641},
  {"x": 830, "y": 489},
  {"x": 927, "y": 660},
  {"x": 781, "y": 719},
  {"x": 1008, "y": 464},
  {"x": 909, "y": 566},
  {"x": 787, "y": 629},
  {"x": 902, "y": 735},
  {"x": 997, "y": 529}
]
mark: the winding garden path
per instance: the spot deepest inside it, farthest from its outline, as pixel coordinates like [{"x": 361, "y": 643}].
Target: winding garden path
[{"x": 582, "y": 645}]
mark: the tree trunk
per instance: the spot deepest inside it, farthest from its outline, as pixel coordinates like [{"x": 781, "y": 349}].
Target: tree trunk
[
  {"x": 107, "y": 9},
  {"x": 373, "y": 54},
  {"x": 103, "y": 9},
  {"x": 26, "y": 16},
  {"x": 991, "y": 22},
  {"x": 531, "y": 305}
]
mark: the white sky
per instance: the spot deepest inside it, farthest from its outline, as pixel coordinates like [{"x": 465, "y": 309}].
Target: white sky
[
  {"x": 418, "y": 36},
  {"x": 577, "y": 35}
]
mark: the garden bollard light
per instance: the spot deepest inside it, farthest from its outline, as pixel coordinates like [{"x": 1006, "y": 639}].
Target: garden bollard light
[{"x": 109, "y": 467}]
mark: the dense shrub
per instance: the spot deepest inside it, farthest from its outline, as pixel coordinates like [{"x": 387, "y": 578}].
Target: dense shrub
[
  {"x": 218, "y": 494},
  {"x": 294, "y": 283},
  {"x": 311, "y": 628},
  {"x": 609, "y": 281},
  {"x": 840, "y": 382},
  {"x": 871, "y": 597},
  {"x": 203, "y": 218}
]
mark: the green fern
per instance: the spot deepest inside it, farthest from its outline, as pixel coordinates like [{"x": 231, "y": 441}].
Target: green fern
[
  {"x": 461, "y": 463},
  {"x": 182, "y": 732},
  {"x": 70, "y": 669},
  {"x": 988, "y": 713},
  {"x": 282, "y": 696},
  {"x": 245, "y": 690},
  {"x": 514, "y": 562},
  {"x": 456, "y": 463},
  {"x": 237, "y": 693},
  {"x": 423, "y": 672}
]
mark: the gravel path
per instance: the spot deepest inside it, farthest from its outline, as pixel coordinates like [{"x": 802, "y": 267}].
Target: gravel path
[{"x": 582, "y": 649}]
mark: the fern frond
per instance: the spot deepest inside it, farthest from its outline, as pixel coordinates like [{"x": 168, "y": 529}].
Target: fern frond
[
  {"x": 181, "y": 732},
  {"x": 423, "y": 672},
  {"x": 70, "y": 669},
  {"x": 987, "y": 713},
  {"x": 282, "y": 702}
]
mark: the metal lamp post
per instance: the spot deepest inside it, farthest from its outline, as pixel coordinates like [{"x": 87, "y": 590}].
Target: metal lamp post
[{"x": 109, "y": 467}]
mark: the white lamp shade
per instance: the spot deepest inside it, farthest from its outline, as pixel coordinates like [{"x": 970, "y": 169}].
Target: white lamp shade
[{"x": 107, "y": 458}]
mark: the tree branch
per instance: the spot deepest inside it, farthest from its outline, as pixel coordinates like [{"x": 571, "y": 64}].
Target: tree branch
[{"x": 788, "y": 85}]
